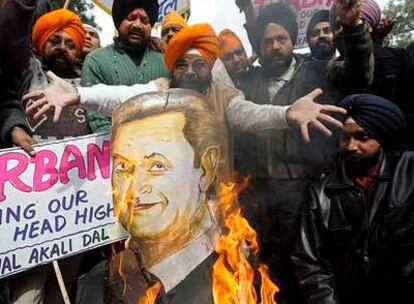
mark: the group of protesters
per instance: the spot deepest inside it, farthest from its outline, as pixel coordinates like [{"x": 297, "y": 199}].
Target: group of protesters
[{"x": 325, "y": 138}]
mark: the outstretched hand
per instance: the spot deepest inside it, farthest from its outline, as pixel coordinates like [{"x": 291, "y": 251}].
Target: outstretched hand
[
  {"x": 58, "y": 95},
  {"x": 305, "y": 112}
]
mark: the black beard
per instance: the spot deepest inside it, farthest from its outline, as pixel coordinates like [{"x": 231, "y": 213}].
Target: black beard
[
  {"x": 359, "y": 165},
  {"x": 275, "y": 69},
  {"x": 191, "y": 82},
  {"x": 65, "y": 69},
  {"x": 133, "y": 48},
  {"x": 321, "y": 53}
]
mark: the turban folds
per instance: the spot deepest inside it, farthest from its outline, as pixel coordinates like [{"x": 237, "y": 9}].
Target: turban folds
[
  {"x": 173, "y": 18},
  {"x": 228, "y": 41},
  {"x": 200, "y": 37},
  {"x": 122, "y": 8},
  {"x": 380, "y": 118},
  {"x": 277, "y": 13},
  {"x": 371, "y": 13},
  {"x": 56, "y": 21}
]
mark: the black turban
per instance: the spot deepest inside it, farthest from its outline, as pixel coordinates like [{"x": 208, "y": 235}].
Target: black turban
[
  {"x": 380, "y": 118},
  {"x": 277, "y": 13},
  {"x": 122, "y": 8},
  {"x": 319, "y": 16}
]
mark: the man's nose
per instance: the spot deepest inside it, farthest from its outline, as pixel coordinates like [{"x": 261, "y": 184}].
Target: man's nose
[
  {"x": 275, "y": 45},
  {"x": 137, "y": 24},
  {"x": 352, "y": 145}
]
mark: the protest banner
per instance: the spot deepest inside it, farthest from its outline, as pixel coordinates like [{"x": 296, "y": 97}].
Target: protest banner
[
  {"x": 304, "y": 9},
  {"x": 165, "y": 6},
  {"x": 56, "y": 204}
]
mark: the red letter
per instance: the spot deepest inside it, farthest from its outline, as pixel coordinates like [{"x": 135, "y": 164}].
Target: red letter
[
  {"x": 102, "y": 157},
  {"x": 12, "y": 175},
  {"x": 45, "y": 164},
  {"x": 76, "y": 162}
]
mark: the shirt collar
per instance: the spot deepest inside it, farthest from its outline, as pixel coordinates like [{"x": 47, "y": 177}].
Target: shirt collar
[{"x": 175, "y": 268}]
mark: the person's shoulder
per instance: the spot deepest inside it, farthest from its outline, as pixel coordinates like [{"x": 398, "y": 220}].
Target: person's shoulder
[{"x": 102, "y": 51}]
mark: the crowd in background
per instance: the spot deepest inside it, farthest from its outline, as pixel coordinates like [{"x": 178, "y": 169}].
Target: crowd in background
[{"x": 333, "y": 207}]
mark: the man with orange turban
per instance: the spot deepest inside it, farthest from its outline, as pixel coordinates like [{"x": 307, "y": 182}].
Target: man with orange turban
[
  {"x": 233, "y": 55},
  {"x": 59, "y": 39},
  {"x": 59, "y": 21},
  {"x": 172, "y": 24}
]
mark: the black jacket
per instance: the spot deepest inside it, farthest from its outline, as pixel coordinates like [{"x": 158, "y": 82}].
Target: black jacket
[
  {"x": 357, "y": 249},
  {"x": 283, "y": 154},
  {"x": 16, "y": 18}
]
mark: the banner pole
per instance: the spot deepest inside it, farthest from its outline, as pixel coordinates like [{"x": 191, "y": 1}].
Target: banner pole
[
  {"x": 61, "y": 282},
  {"x": 67, "y": 2}
]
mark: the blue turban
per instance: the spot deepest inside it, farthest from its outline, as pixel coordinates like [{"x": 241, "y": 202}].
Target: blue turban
[{"x": 381, "y": 119}]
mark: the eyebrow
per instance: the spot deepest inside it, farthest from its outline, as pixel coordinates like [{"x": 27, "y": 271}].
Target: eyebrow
[{"x": 154, "y": 154}]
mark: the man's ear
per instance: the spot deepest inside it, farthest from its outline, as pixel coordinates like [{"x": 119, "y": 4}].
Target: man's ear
[{"x": 210, "y": 161}]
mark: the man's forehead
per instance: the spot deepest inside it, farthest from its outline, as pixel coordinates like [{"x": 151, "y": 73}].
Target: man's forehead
[
  {"x": 165, "y": 126},
  {"x": 322, "y": 24},
  {"x": 351, "y": 125},
  {"x": 190, "y": 57},
  {"x": 62, "y": 34}
]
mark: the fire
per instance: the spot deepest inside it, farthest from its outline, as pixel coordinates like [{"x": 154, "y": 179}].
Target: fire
[
  {"x": 151, "y": 294},
  {"x": 233, "y": 275},
  {"x": 268, "y": 288}
]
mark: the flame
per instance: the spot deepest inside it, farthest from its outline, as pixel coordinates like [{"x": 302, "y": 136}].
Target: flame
[
  {"x": 268, "y": 289},
  {"x": 151, "y": 294},
  {"x": 233, "y": 275}
]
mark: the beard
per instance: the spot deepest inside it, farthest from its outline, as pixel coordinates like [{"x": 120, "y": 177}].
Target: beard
[
  {"x": 134, "y": 46},
  {"x": 59, "y": 62},
  {"x": 275, "y": 65},
  {"x": 191, "y": 82},
  {"x": 323, "y": 50},
  {"x": 358, "y": 164}
]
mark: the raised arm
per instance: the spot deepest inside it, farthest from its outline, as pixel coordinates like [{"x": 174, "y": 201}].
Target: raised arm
[
  {"x": 250, "y": 117},
  {"x": 102, "y": 98}
]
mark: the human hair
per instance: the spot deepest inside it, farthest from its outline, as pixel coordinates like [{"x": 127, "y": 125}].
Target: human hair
[{"x": 201, "y": 128}]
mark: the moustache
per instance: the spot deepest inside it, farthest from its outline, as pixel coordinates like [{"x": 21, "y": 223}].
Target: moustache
[
  {"x": 60, "y": 54},
  {"x": 322, "y": 40}
]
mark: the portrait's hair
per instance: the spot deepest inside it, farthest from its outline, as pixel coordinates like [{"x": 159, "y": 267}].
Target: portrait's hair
[{"x": 202, "y": 128}]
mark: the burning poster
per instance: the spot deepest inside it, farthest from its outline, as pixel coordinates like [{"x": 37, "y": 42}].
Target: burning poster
[{"x": 167, "y": 153}]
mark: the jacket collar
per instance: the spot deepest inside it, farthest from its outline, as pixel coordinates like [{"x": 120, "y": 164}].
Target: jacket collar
[{"x": 338, "y": 180}]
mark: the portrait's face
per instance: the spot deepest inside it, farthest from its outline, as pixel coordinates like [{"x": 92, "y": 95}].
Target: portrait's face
[
  {"x": 276, "y": 48},
  {"x": 191, "y": 72},
  {"x": 156, "y": 186},
  {"x": 235, "y": 61},
  {"x": 321, "y": 41},
  {"x": 135, "y": 30},
  {"x": 59, "y": 52},
  {"x": 92, "y": 41},
  {"x": 356, "y": 147},
  {"x": 168, "y": 32}
]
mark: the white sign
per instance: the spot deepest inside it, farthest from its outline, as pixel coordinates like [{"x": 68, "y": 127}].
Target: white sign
[
  {"x": 166, "y": 6},
  {"x": 55, "y": 204}
]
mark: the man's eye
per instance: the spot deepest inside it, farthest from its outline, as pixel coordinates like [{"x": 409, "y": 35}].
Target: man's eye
[
  {"x": 122, "y": 167},
  {"x": 157, "y": 168}
]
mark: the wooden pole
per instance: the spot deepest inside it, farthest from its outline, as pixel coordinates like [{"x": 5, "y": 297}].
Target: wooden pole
[
  {"x": 61, "y": 283},
  {"x": 67, "y": 2}
]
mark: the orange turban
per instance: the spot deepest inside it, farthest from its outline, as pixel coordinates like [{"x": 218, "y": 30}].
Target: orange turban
[
  {"x": 198, "y": 36},
  {"x": 173, "y": 18},
  {"x": 56, "y": 21},
  {"x": 228, "y": 41}
]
